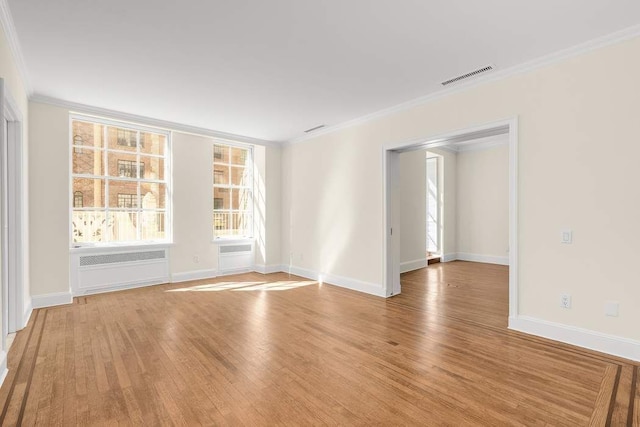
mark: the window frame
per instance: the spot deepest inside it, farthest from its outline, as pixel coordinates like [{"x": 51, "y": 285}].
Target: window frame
[
  {"x": 167, "y": 180},
  {"x": 229, "y": 187}
]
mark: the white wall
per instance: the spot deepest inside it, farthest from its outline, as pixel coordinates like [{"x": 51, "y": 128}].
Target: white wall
[
  {"x": 192, "y": 202},
  {"x": 413, "y": 214},
  {"x": 567, "y": 112},
  {"x": 482, "y": 222}
]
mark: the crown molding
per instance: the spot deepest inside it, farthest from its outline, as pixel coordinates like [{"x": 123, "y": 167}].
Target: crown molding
[
  {"x": 543, "y": 61},
  {"x": 6, "y": 21},
  {"x": 148, "y": 121}
]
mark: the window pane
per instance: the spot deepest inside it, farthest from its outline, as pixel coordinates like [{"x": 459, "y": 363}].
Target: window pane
[
  {"x": 122, "y": 226},
  {"x": 152, "y": 167},
  {"x": 240, "y": 176},
  {"x": 123, "y": 165},
  {"x": 220, "y": 174},
  {"x": 221, "y": 198},
  {"x": 239, "y": 156},
  {"x": 241, "y": 199},
  {"x": 123, "y": 194},
  {"x": 88, "y": 226},
  {"x": 220, "y": 223},
  {"x": 220, "y": 154},
  {"x": 87, "y": 193},
  {"x": 152, "y": 225},
  {"x": 87, "y": 161},
  {"x": 241, "y": 224},
  {"x": 86, "y": 135},
  {"x": 153, "y": 195},
  {"x": 152, "y": 143},
  {"x": 122, "y": 139}
]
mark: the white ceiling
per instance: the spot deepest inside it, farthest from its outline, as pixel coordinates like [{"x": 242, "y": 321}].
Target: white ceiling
[{"x": 271, "y": 69}]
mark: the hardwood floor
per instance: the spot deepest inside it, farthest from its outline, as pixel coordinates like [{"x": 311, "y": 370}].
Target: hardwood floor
[{"x": 272, "y": 349}]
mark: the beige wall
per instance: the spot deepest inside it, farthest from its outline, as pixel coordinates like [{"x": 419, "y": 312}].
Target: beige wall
[
  {"x": 482, "y": 219},
  {"x": 567, "y": 113},
  {"x": 15, "y": 88},
  {"x": 192, "y": 201}
]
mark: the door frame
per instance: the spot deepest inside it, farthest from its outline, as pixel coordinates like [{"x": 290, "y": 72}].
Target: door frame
[
  {"x": 12, "y": 200},
  {"x": 390, "y": 178}
]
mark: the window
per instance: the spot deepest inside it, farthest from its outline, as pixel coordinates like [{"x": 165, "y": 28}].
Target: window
[
  {"x": 129, "y": 138},
  {"x": 120, "y": 182},
  {"x": 77, "y": 199},
  {"x": 129, "y": 168},
  {"x": 232, "y": 191},
  {"x": 127, "y": 200}
]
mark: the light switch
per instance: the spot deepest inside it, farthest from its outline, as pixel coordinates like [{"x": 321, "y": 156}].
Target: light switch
[{"x": 566, "y": 236}]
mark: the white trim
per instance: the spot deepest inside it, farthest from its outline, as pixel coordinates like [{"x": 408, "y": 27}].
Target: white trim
[
  {"x": 27, "y": 314},
  {"x": 482, "y": 144},
  {"x": 99, "y": 112},
  {"x": 610, "y": 344},
  {"x": 187, "y": 276},
  {"x": 232, "y": 271},
  {"x": 340, "y": 281},
  {"x": 544, "y": 61},
  {"x": 416, "y": 264},
  {"x": 6, "y": 20},
  {"x": 449, "y": 257},
  {"x": 268, "y": 269},
  {"x": 3, "y": 366},
  {"x": 51, "y": 300},
  {"x": 488, "y": 259}
]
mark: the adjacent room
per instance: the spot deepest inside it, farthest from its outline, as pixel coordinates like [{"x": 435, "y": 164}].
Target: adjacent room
[{"x": 319, "y": 213}]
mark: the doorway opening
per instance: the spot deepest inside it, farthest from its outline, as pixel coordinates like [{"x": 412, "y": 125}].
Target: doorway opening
[{"x": 391, "y": 190}]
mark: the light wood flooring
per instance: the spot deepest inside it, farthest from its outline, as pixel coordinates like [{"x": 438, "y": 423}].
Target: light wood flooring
[{"x": 275, "y": 349}]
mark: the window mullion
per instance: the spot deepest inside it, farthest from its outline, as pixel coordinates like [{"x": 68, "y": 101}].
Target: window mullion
[{"x": 105, "y": 143}]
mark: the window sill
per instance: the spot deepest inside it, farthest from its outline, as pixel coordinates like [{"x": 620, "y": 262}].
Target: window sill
[{"x": 120, "y": 248}]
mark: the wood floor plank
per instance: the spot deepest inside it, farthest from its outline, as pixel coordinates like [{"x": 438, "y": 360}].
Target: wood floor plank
[{"x": 257, "y": 349}]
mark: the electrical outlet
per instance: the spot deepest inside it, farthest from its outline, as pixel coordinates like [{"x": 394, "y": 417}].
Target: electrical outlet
[
  {"x": 565, "y": 301},
  {"x": 566, "y": 236},
  {"x": 196, "y": 259}
]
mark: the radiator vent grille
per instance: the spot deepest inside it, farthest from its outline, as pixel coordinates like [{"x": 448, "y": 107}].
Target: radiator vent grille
[
  {"x": 234, "y": 249},
  {"x": 118, "y": 258},
  {"x": 468, "y": 75}
]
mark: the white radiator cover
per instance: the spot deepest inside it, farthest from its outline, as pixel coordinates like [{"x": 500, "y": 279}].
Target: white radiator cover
[
  {"x": 235, "y": 257},
  {"x": 101, "y": 270}
]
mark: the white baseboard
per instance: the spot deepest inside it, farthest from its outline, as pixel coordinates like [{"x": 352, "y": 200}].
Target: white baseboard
[
  {"x": 343, "y": 282},
  {"x": 449, "y": 257},
  {"x": 193, "y": 275},
  {"x": 610, "y": 344},
  {"x": 3, "y": 366},
  {"x": 416, "y": 264},
  {"x": 27, "y": 314},
  {"x": 488, "y": 259},
  {"x": 268, "y": 269},
  {"x": 232, "y": 271},
  {"x": 51, "y": 300},
  {"x": 121, "y": 286}
]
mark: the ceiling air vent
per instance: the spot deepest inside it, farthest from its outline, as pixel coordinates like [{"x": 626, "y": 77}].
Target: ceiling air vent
[
  {"x": 315, "y": 128},
  {"x": 468, "y": 75}
]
